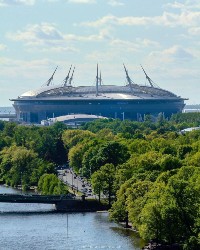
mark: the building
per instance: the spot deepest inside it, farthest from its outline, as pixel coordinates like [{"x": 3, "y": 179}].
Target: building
[
  {"x": 132, "y": 101},
  {"x": 73, "y": 121}
]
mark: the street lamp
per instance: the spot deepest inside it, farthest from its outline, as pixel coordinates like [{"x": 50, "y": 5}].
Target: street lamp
[
  {"x": 72, "y": 180},
  {"x": 21, "y": 182}
]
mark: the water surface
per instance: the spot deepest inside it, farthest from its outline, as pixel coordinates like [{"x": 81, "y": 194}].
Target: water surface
[{"x": 39, "y": 226}]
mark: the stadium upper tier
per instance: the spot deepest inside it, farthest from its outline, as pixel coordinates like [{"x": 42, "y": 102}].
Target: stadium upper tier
[{"x": 104, "y": 92}]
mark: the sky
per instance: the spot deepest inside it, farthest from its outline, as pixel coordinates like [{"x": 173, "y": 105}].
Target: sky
[{"x": 163, "y": 36}]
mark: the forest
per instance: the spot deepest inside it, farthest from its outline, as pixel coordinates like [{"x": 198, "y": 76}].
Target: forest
[{"x": 149, "y": 171}]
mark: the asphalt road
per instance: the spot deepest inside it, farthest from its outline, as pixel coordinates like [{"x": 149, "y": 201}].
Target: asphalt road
[{"x": 75, "y": 182}]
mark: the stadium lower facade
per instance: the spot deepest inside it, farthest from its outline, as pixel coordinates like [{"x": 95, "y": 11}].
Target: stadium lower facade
[{"x": 132, "y": 101}]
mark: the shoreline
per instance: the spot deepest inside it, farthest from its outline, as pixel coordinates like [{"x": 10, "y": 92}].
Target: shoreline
[{"x": 151, "y": 245}]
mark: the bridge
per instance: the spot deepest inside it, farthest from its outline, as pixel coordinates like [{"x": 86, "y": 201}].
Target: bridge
[
  {"x": 34, "y": 198},
  {"x": 67, "y": 202},
  {"x": 8, "y": 116}
]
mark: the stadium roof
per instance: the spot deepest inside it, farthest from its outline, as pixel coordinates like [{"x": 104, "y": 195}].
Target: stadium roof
[{"x": 104, "y": 92}]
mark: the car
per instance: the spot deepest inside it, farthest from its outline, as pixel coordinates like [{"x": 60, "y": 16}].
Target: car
[{"x": 84, "y": 190}]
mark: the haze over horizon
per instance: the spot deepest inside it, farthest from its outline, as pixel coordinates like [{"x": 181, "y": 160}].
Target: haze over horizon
[{"x": 37, "y": 36}]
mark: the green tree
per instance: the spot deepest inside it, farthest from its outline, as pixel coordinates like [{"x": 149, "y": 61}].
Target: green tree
[
  {"x": 108, "y": 173},
  {"x": 49, "y": 184},
  {"x": 97, "y": 183},
  {"x": 169, "y": 162},
  {"x": 172, "y": 209},
  {"x": 72, "y": 137}
]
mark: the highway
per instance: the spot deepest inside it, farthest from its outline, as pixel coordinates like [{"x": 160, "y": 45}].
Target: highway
[{"x": 76, "y": 182}]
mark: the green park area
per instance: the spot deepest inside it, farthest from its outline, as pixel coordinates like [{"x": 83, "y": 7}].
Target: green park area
[{"x": 148, "y": 171}]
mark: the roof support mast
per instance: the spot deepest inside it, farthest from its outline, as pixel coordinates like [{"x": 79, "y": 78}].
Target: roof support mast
[
  {"x": 71, "y": 78},
  {"x": 148, "y": 78},
  {"x": 128, "y": 79},
  {"x": 100, "y": 79},
  {"x": 67, "y": 77},
  {"x": 51, "y": 78},
  {"x": 97, "y": 81}
]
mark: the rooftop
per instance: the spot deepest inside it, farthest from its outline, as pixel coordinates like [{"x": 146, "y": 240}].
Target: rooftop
[{"x": 104, "y": 92}]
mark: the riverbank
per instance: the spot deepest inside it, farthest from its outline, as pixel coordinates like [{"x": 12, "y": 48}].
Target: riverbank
[
  {"x": 152, "y": 245},
  {"x": 155, "y": 246}
]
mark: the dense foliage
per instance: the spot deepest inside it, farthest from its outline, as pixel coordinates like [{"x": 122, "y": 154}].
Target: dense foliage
[
  {"x": 29, "y": 152},
  {"x": 50, "y": 184},
  {"x": 148, "y": 171}
]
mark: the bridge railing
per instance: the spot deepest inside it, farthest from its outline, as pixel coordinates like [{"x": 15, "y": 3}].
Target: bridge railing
[{"x": 34, "y": 197}]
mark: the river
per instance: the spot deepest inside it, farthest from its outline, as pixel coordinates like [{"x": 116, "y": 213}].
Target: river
[{"x": 38, "y": 227}]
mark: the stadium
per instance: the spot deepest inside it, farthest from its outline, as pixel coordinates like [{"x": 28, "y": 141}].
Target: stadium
[{"x": 132, "y": 101}]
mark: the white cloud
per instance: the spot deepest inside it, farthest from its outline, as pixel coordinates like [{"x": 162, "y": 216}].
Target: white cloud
[
  {"x": 185, "y": 19},
  {"x": 82, "y": 1},
  {"x": 11, "y": 67},
  {"x": 110, "y": 19},
  {"x": 178, "y": 52},
  {"x": 59, "y": 49},
  {"x": 194, "y": 31},
  {"x": 46, "y": 36},
  {"x": 119, "y": 50},
  {"x": 172, "y": 54},
  {"x": 187, "y": 5},
  {"x": 115, "y": 3},
  {"x": 134, "y": 45},
  {"x": 37, "y": 34},
  {"x": 52, "y": 1},
  {"x": 3, "y": 47},
  {"x": 16, "y": 2}
]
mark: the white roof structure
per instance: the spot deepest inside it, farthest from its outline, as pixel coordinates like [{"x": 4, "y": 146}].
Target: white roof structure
[
  {"x": 67, "y": 118},
  {"x": 66, "y": 91},
  {"x": 104, "y": 92},
  {"x": 189, "y": 129}
]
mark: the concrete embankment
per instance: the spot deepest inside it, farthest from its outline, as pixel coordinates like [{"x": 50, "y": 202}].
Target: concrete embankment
[{"x": 81, "y": 205}]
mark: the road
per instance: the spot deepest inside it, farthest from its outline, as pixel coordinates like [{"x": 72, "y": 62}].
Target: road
[{"x": 76, "y": 182}]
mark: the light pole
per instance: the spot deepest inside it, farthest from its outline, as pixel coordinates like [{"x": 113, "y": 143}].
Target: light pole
[
  {"x": 72, "y": 180},
  {"x": 21, "y": 181}
]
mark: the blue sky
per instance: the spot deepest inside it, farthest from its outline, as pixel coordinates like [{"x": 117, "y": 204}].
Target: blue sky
[{"x": 38, "y": 35}]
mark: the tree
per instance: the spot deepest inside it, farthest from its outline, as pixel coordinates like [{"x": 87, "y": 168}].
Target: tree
[
  {"x": 119, "y": 210},
  {"x": 97, "y": 183},
  {"x": 108, "y": 174},
  {"x": 103, "y": 180},
  {"x": 21, "y": 164},
  {"x": 171, "y": 213},
  {"x": 107, "y": 152},
  {"x": 72, "y": 137},
  {"x": 139, "y": 146},
  {"x": 77, "y": 153},
  {"x": 9, "y": 129},
  {"x": 183, "y": 150},
  {"x": 193, "y": 160},
  {"x": 148, "y": 161},
  {"x": 137, "y": 195},
  {"x": 49, "y": 184},
  {"x": 169, "y": 162}
]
